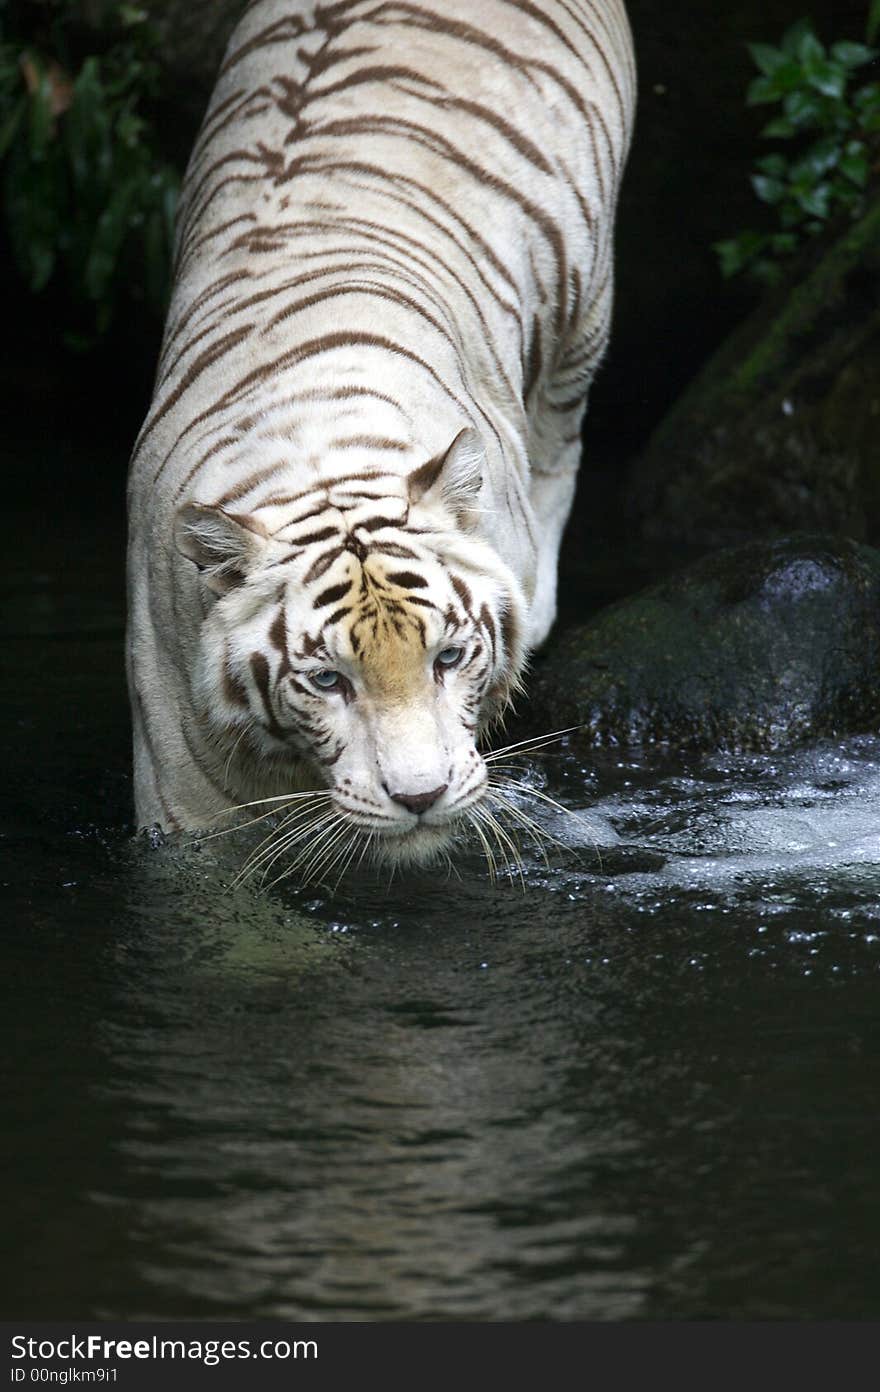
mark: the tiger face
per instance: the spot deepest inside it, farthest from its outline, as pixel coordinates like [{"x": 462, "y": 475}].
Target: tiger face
[{"x": 361, "y": 646}]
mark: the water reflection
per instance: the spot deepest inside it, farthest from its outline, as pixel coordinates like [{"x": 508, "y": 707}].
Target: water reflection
[
  {"x": 377, "y": 1127},
  {"x": 646, "y": 1087}
]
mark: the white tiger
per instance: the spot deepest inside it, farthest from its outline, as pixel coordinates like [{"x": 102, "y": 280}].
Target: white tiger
[{"x": 392, "y": 288}]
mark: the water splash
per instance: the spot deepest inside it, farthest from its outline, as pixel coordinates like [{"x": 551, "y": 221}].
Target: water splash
[{"x": 727, "y": 821}]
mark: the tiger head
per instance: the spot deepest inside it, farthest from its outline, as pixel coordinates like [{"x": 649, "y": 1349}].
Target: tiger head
[{"x": 358, "y": 637}]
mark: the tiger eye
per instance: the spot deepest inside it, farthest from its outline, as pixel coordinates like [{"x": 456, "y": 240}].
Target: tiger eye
[{"x": 450, "y": 657}]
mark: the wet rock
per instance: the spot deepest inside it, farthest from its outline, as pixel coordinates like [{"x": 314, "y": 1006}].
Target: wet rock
[
  {"x": 761, "y": 646},
  {"x": 612, "y": 861},
  {"x": 781, "y": 430},
  {"x": 154, "y": 836}
]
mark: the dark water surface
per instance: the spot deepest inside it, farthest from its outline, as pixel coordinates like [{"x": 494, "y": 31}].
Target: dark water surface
[{"x": 646, "y": 1086}]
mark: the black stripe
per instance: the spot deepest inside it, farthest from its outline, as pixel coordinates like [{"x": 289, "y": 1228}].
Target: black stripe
[
  {"x": 331, "y": 595},
  {"x": 260, "y": 672},
  {"x": 407, "y": 580}
]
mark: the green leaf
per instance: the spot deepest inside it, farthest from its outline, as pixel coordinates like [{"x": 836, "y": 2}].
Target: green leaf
[
  {"x": 775, "y": 165},
  {"x": 130, "y": 15},
  {"x": 817, "y": 160},
  {"x": 761, "y": 90},
  {"x": 10, "y": 73},
  {"x": 42, "y": 259},
  {"x": 766, "y": 58},
  {"x": 856, "y": 167},
  {"x": 783, "y": 243},
  {"x": 809, "y": 49},
  {"x": 737, "y": 253},
  {"x": 791, "y": 214},
  {"x": 795, "y": 36},
  {"x": 90, "y": 113},
  {"x": 867, "y": 100},
  {"x": 827, "y": 78},
  {"x": 35, "y": 212},
  {"x": 870, "y": 122},
  {"x": 779, "y": 129},
  {"x": 788, "y": 77},
  {"x": 769, "y": 190},
  {"x": 803, "y": 109},
  {"x": 846, "y": 195},
  {"x": 84, "y": 191},
  {"x": 816, "y": 201},
  {"x": 866, "y": 95},
  {"x": 852, "y": 55},
  {"x": 766, "y": 271},
  {"x": 41, "y": 124},
  {"x": 872, "y": 28},
  {"x": 110, "y": 233},
  {"x": 130, "y": 129}
]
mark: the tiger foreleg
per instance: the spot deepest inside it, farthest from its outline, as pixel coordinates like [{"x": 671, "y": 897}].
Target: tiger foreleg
[{"x": 551, "y": 494}]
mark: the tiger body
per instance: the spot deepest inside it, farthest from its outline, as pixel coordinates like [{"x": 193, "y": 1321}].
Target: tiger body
[{"x": 392, "y": 288}]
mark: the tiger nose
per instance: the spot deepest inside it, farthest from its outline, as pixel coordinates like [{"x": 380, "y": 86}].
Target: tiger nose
[{"x": 418, "y": 802}]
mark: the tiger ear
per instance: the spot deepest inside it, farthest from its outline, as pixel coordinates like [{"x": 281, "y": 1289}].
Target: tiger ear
[
  {"x": 453, "y": 479},
  {"x": 224, "y": 545}
]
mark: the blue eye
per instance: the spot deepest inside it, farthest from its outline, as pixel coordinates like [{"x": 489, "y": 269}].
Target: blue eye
[
  {"x": 450, "y": 657},
  {"x": 326, "y": 680}
]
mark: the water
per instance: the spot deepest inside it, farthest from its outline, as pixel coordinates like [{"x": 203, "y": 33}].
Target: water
[{"x": 644, "y": 1086}]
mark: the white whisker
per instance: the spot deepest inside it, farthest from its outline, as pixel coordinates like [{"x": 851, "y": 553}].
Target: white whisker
[
  {"x": 316, "y": 854},
  {"x": 368, "y": 841},
  {"x": 451, "y": 867},
  {"x": 544, "y": 797},
  {"x": 487, "y": 849},
  {"x": 279, "y": 797},
  {"x": 503, "y": 840},
  {"x": 557, "y": 807},
  {"x": 228, "y": 831},
  {"x": 354, "y": 842},
  {"x": 314, "y": 844},
  {"x": 316, "y": 795},
  {"x": 501, "y": 791},
  {"x": 245, "y": 729},
  {"x": 536, "y": 832},
  {"x": 526, "y": 745},
  {"x": 298, "y": 817},
  {"x": 346, "y": 855},
  {"x": 279, "y": 844}
]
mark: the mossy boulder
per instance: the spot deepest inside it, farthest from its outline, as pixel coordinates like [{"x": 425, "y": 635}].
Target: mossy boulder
[
  {"x": 761, "y": 646},
  {"x": 781, "y": 430}
]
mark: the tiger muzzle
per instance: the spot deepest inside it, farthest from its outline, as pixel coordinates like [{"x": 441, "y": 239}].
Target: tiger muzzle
[{"x": 418, "y": 802}]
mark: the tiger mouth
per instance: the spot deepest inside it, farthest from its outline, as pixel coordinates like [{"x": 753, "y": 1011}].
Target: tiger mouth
[
  {"x": 419, "y": 840},
  {"x": 414, "y": 845},
  {"x": 381, "y": 824}
]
